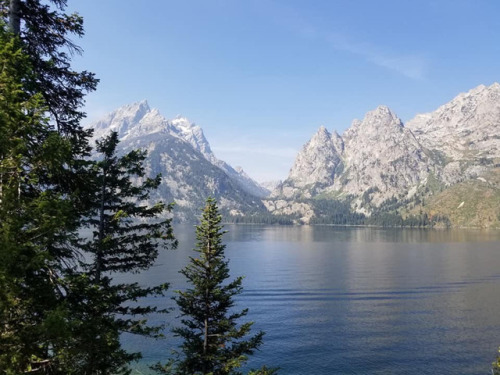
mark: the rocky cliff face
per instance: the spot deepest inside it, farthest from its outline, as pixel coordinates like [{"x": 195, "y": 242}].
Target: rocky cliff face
[
  {"x": 380, "y": 159},
  {"x": 468, "y": 127},
  {"x": 315, "y": 166},
  {"x": 381, "y": 155},
  {"x": 179, "y": 151},
  {"x": 193, "y": 134},
  {"x": 463, "y": 136}
]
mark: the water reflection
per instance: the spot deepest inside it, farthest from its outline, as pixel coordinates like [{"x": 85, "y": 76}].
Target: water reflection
[
  {"x": 360, "y": 300},
  {"x": 357, "y": 234}
]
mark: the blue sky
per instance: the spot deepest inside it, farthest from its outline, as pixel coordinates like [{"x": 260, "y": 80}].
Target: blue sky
[{"x": 261, "y": 76}]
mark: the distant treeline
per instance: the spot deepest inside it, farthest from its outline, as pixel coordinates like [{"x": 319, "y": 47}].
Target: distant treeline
[
  {"x": 329, "y": 211},
  {"x": 339, "y": 212},
  {"x": 261, "y": 218}
]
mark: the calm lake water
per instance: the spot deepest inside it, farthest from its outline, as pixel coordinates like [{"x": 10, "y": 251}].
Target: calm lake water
[{"x": 355, "y": 300}]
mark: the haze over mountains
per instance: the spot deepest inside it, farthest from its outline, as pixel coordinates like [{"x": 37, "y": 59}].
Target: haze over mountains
[
  {"x": 179, "y": 151},
  {"x": 442, "y": 164},
  {"x": 379, "y": 158}
]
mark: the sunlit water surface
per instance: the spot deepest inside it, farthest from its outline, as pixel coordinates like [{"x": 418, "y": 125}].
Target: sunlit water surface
[{"x": 354, "y": 300}]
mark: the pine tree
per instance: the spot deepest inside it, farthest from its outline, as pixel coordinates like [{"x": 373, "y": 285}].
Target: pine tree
[
  {"x": 127, "y": 234},
  {"x": 45, "y": 31},
  {"x": 42, "y": 174},
  {"x": 56, "y": 318},
  {"x": 35, "y": 219},
  {"x": 213, "y": 343},
  {"x": 122, "y": 244}
]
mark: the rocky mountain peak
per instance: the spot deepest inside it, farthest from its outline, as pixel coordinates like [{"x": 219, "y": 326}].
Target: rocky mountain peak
[
  {"x": 380, "y": 118},
  {"x": 314, "y": 165},
  {"x": 377, "y": 152},
  {"x": 137, "y": 122},
  {"x": 122, "y": 119},
  {"x": 321, "y": 136},
  {"x": 322, "y": 131},
  {"x": 182, "y": 123},
  {"x": 465, "y": 127},
  {"x": 194, "y": 135},
  {"x": 337, "y": 142},
  {"x": 377, "y": 126}
]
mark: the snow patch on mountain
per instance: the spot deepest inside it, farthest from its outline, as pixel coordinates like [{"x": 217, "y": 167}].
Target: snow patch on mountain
[{"x": 138, "y": 120}]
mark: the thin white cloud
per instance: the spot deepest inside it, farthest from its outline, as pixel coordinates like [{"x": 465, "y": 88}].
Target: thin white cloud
[
  {"x": 408, "y": 65},
  {"x": 411, "y": 66}
]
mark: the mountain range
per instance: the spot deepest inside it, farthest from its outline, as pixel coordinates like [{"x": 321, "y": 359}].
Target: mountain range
[
  {"x": 440, "y": 168},
  {"x": 179, "y": 151},
  {"x": 380, "y": 165}
]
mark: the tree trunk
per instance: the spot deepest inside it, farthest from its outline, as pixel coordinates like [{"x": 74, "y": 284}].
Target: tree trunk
[
  {"x": 14, "y": 16},
  {"x": 207, "y": 310},
  {"x": 99, "y": 258},
  {"x": 205, "y": 345}
]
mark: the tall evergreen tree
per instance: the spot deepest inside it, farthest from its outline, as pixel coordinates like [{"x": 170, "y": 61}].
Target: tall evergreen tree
[
  {"x": 123, "y": 238},
  {"x": 45, "y": 31},
  {"x": 37, "y": 221},
  {"x": 56, "y": 319},
  {"x": 42, "y": 160},
  {"x": 127, "y": 234},
  {"x": 213, "y": 342}
]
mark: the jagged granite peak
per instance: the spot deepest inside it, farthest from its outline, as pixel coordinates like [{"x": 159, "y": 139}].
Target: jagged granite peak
[
  {"x": 384, "y": 161},
  {"x": 382, "y": 155},
  {"x": 315, "y": 164},
  {"x": 193, "y": 134},
  {"x": 136, "y": 121},
  {"x": 121, "y": 119},
  {"x": 188, "y": 178},
  {"x": 338, "y": 142},
  {"x": 377, "y": 154},
  {"x": 465, "y": 128},
  {"x": 377, "y": 122}
]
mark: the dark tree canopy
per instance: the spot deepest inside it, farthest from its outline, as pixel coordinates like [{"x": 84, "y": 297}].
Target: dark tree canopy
[
  {"x": 127, "y": 234},
  {"x": 45, "y": 31},
  {"x": 60, "y": 314},
  {"x": 36, "y": 221}
]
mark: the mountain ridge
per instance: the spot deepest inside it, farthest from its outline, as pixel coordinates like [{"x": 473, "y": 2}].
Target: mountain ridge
[
  {"x": 384, "y": 160},
  {"x": 380, "y": 171},
  {"x": 179, "y": 151}
]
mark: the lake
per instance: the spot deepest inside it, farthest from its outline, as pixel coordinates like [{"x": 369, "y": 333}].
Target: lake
[{"x": 354, "y": 300}]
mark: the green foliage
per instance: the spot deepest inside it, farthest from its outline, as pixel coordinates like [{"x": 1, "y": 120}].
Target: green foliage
[
  {"x": 36, "y": 219},
  {"x": 495, "y": 366},
  {"x": 264, "y": 371},
  {"x": 45, "y": 34},
  {"x": 434, "y": 185},
  {"x": 61, "y": 316},
  {"x": 126, "y": 237},
  {"x": 260, "y": 218},
  {"x": 213, "y": 343},
  {"x": 365, "y": 198},
  {"x": 338, "y": 212}
]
